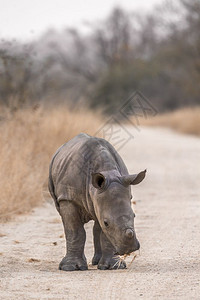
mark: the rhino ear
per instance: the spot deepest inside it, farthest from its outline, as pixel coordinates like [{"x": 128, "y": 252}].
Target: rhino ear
[
  {"x": 133, "y": 179},
  {"x": 98, "y": 180}
]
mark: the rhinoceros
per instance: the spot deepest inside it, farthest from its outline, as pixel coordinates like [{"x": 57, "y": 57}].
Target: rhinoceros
[{"x": 88, "y": 180}]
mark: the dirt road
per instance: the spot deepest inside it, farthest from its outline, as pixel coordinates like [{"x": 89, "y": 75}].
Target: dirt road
[{"x": 167, "y": 226}]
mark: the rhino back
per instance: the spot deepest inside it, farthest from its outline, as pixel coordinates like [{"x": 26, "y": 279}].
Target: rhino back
[{"x": 73, "y": 163}]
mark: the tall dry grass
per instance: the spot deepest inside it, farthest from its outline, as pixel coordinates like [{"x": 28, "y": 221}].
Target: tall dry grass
[
  {"x": 185, "y": 120},
  {"x": 28, "y": 139}
]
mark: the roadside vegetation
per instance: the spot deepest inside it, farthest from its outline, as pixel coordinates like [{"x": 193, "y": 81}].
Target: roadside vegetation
[
  {"x": 28, "y": 139},
  {"x": 156, "y": 52},
  {"x": 184, "y": 120}
]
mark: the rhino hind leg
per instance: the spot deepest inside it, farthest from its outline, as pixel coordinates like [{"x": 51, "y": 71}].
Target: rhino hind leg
[
  {"x": 97, "y": 245},
  {"x": 75, "y": 237},
  {"x": 109, "y": 260}
]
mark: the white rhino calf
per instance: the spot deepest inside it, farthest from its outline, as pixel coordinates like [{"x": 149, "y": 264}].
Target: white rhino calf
[{"x": 88, "y": 180}]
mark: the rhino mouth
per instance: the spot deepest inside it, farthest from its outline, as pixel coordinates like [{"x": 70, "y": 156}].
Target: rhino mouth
[
  {"x": 121, "y": 253},
  {"x": 127, "y": 251}
]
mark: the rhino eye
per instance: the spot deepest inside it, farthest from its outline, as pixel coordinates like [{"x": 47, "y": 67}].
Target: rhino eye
[{"x": 106, "y": 223}]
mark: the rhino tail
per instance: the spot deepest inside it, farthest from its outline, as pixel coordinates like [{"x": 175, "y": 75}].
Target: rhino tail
[
  {"x": 50, "y": 183},
  {"x": 51, "y": 186}
]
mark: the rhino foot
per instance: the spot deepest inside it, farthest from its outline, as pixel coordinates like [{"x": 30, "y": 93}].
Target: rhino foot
[
  {"x": 96, "y": 259},
  {"x": 112, "y": 263},
  {"x": 70, "y": 264}
]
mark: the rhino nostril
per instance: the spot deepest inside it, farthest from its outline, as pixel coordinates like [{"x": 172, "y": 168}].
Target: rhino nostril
[
  {"x": 106, "y": 223},
  {"x": 129, "y": 233}
]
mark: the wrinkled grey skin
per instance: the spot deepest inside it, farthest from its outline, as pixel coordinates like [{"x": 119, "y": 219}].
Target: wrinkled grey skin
[{"x": 89, "y": 181}]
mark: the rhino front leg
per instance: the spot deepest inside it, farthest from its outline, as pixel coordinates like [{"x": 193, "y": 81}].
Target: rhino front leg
[
  {"x": 109, "y": 260},
  {"x": 75, "y": 238},
  {"x": 97, "y": 245}
]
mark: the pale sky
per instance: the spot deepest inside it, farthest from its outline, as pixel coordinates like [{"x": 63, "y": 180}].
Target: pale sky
[{"x": 26, "y": 19}]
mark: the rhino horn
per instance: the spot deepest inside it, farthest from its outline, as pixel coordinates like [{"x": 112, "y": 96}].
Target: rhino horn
[{"x": 133, "y": 179}]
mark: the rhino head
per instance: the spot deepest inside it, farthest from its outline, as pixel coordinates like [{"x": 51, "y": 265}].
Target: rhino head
[{"x": 111, "y": 195}]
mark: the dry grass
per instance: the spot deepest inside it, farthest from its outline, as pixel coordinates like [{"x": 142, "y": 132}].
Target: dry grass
[
  {"x": 185, "y": 120},
  {"x": 28, "y": 139}
]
